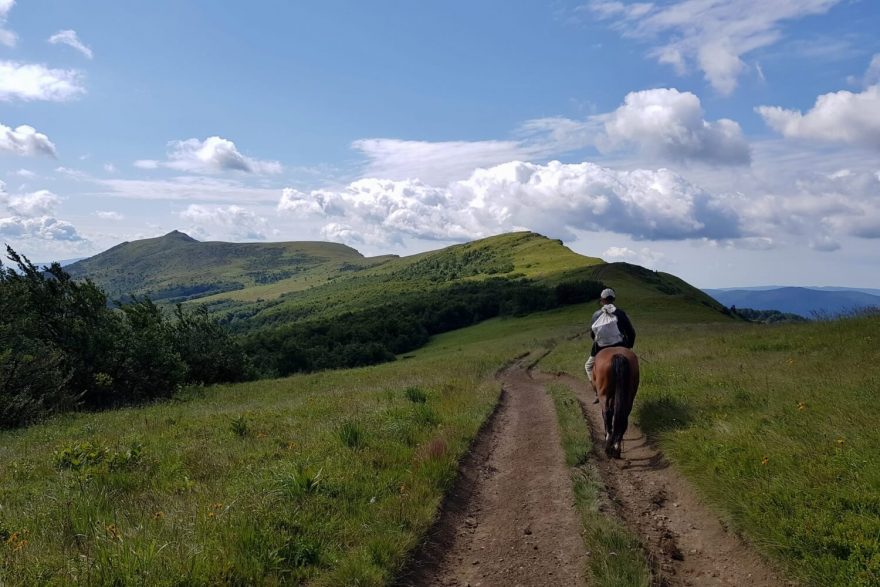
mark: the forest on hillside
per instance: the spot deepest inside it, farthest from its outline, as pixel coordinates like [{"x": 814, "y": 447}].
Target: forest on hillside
[{"x": 65, "y": 346}]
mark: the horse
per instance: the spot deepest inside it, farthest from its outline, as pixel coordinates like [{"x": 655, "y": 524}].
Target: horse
[{"x": 616, "y": 377}]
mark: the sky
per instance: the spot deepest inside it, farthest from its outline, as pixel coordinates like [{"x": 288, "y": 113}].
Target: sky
[{"x": 730, "y": 142}]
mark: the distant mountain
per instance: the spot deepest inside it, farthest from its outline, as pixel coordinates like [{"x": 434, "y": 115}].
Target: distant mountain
[
  {"x": 867, "y": 290},
  {"x": 803, "y": 301},
  {"x": 62, "y": 262},
  {"x": 177, "y": 267}
]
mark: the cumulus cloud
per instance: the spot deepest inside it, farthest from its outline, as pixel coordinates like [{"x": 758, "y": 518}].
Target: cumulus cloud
[
  {"x": 39, "y": 203},
  {"x": 29, "y": 81},
  {"x": 25, "y": 140},
  {"x": 213, "y": 155},
  {"x": 7, "y": 37},
  {"x": 109, "y": 215},
  {"x": 670, "y": 124},
  {"x": 69, "y": 37},
  {"x": 644, "y": 256},
  {"x": 821, "y": 208},
  {"x": 712, "y": 34},
  {"x": 843, "y": 117},
  {"x": 30, "y": 217},
  {"x": 435, "y": 162},
  {"x": 552, "y": 199},
  {"x": 232, "y": 222},
  {"x": 662, "y": 123},
  {"x": 42, "y": 227}
]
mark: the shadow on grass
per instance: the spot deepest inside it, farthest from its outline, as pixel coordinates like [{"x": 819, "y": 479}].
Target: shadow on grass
[{"x": 663, "y": 413}]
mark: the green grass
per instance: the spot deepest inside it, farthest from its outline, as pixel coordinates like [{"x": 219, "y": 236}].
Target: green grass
[
  {"x": 616, "y": 558},
  {"x": 778, "y": 426},
  {"x": 330, "y": 478}
]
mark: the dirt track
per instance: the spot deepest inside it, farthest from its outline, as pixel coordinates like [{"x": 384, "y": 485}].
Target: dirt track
[
  {"x": 510, "y": 520},
  {"x": 688, "y": 543}
]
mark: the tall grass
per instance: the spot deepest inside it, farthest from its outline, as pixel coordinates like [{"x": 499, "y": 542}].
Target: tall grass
[
  {"x": 330, "y": 478},
  {"x": 778, "y": 426}
]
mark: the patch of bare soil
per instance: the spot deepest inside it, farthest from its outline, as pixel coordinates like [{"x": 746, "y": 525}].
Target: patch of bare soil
[
  {"x": 510, "y": 519},
  {"x": 689, "y": 544}
]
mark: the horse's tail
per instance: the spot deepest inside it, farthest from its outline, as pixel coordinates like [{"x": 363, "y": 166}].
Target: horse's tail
[{"x": 623, "y": 399}]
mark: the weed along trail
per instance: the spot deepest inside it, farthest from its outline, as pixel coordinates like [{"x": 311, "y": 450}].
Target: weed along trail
[
  {"x": 510, "y": 520},
  {"x": 687, "y": 542}
]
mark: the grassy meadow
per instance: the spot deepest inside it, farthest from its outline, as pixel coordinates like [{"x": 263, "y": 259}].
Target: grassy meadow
[
  {"x": 777, "y": 426},
  {"x": 329, "y": 478}
]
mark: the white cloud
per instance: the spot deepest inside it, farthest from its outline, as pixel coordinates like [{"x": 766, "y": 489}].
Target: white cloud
[
  {"x": 42, "y": 227},
  {"x": 39, "y": 203},
  {"x": 232, "y": 222},
  {"x": 109, "y": 215},
  {"x": 824, "y": 244},
  {"x": 69, "y": 37},
  {"x": 72, "y": 173},
  {"x": 844, "y": 117},
  {"x": 213, "y": 155},
  {"x": 25, "y": 140},
  {"x": 872, "y": 75},
  {"x": 435, "y": 162},
  {"x": 29, "y": 81},
  {"x": 661, "y": 123},
  {"x": 644, "y": 256},
  {"x": 25, "y": 173},
  {"x": 7, "y": 37},
  {"x": 188, "y": 188},
  {"x": 713, "y": 34},
  {"x": 670, "y": 124},
  {"x": 110, "y": 168},
  {"x": 552, "y": 199}
]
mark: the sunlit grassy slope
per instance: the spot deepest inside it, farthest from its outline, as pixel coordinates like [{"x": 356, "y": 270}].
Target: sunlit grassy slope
[
  {"x": 331, "y": 477},
  {"x": 177, "y": 267},
  {"x": 252, "y": 285},
  {"x": 777, "y": 425}
]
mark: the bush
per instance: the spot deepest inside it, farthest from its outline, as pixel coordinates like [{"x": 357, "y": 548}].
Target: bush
[{"x": 62, "y": 347}]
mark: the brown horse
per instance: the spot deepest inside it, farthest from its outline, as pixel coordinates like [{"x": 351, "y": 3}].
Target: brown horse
[{"x": 616, "y": 376}]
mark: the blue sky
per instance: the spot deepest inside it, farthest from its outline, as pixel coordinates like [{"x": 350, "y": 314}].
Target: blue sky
[{"x": 731, "y": 142}]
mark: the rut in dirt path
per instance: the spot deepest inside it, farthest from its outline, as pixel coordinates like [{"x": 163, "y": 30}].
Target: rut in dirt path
[
  {"x": 510, "y": 519},
  {"x": 689, "y": 544}
]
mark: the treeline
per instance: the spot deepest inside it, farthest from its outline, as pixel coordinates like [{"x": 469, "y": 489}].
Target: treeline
[
  {"x": 63, "y": 348},
  {"x": 400, "y": 325},
  {"x": 767, "y": 316}
]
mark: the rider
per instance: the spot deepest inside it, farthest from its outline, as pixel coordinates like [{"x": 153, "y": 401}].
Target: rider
[{"x": 614, "y": 329}]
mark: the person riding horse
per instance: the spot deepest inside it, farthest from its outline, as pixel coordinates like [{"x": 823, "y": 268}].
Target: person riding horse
[{"x": 610, "y": 327}]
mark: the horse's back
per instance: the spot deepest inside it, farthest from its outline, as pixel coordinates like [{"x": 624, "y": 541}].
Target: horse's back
[{"x": 604, "y": 367}]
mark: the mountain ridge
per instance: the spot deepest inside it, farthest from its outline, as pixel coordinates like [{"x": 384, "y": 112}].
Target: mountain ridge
[
  {"x": 255, "y": 285},
  {"x": 803, "y": 301}
]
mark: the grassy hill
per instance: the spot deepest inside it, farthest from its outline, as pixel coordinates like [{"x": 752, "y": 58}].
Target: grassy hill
[
  {"x": 251, "y": 286},
  {"x": 177, "y": 267},
  {"x": 332, "y": 478}
]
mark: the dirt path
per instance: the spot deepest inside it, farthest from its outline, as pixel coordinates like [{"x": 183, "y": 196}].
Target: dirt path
[
  {"x": 510, "y": 520},
  {"x": 688, "y": 542}
]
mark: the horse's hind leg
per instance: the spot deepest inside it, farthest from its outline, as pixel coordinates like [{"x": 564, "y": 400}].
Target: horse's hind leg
[{"x": 608, "y": 415}]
